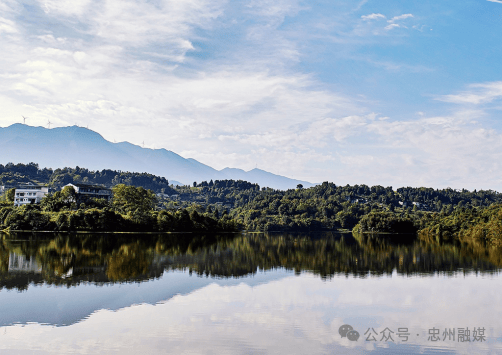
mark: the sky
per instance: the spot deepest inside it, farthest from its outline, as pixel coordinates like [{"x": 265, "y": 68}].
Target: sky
[{"x": 392, "y": 93}]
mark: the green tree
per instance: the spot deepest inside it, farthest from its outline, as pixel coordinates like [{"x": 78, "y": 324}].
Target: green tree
[
  {"x": 8, "y": 196},
  {"x": 67, "y": 197},
  {"x": 128, "y": 199}
]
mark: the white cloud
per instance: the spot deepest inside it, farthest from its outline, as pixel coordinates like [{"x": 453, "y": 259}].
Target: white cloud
[
  {"x": 9, "y": 29},
  {"x": 7, "y": 26},
  {"x": 374, "y": 27},
  {"x": 275, "y": 9},
  {"x": 479, "y": 94},
  {"x": 169, "y": 24},
  {"x": 75, "y": 8},
  {"x": 454, "y": 150},
  {"x": 372, "y": 17},
  {"x": 283, "y": 123},
  {"x": 267, "y": 44},
  {"x": 400, "y": 17},
  {"x": 497, "y": 1},
  {"x": 249, "y": 103},
  {"x": 391, "y": 26}
]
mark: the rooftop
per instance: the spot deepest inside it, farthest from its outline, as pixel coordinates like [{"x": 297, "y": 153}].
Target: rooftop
[{"x": 88, "y": 186}]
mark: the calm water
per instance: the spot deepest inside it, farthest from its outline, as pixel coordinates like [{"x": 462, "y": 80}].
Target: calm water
[{"x": 246, "y": 294}]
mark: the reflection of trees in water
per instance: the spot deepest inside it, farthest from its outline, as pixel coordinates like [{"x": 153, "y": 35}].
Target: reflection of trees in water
[
  {"x": 70, "y": 259},
  {"x": 129, "y": 261},
  {"x": 342, "y": 254},
  {"x": 4, "y": 259}
]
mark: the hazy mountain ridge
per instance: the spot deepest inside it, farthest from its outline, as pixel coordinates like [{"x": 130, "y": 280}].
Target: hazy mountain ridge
[{"x": 78, "y": 146}]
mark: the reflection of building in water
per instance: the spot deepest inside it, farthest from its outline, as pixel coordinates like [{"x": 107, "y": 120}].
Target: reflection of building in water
[{"x": 23, "y": 263}]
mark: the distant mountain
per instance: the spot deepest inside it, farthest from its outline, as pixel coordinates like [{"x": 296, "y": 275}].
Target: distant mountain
[{"x": 78, "y": 146}]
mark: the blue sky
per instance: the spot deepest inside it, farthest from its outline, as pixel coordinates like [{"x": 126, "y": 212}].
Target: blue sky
[{"x": 396, "y": 93}]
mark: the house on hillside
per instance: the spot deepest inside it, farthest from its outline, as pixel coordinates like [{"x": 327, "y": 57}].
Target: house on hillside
[
  {"x": 29, "y": 194},
  {"x": 85, "y": 192},
  {"x": 352, "y": 199}
]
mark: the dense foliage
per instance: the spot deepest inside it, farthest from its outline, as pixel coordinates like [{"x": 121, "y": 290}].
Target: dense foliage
[
  {"x": 15, "y": 174},
  {"x": 439, "y": 214},
  {"x": 328, "y": 206},
  {"x": 467, "y": 225},
  {"x": 386, "y": 222},
  {"x": 131, "y": 209}
]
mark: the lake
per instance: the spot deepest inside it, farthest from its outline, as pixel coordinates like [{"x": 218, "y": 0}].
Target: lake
[{"x": 323, "y": 293}]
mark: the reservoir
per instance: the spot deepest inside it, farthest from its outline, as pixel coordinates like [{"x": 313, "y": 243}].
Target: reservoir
[{"x": 246, "y": 294}]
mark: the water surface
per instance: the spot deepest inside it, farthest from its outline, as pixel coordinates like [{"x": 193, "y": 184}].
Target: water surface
[{"x": 246, "y": 294}]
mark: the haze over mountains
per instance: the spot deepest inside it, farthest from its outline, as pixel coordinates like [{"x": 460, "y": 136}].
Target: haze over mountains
[{"x": 79, "y": 146}]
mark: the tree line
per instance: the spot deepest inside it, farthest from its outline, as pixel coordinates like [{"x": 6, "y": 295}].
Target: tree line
[
  {"x": 16, "y": 174},
  {"x": 131, "y": 209},
  {"x": 435, "y": 212}
]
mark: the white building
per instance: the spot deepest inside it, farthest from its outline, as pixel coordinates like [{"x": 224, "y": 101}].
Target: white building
[{"x": 28, "y": 194}]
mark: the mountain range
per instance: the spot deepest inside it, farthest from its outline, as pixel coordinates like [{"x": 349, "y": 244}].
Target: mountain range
[{"x": 78, "y": 146}]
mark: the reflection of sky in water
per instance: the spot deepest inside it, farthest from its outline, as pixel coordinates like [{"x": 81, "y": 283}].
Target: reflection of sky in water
[
  {"x": 64, "y": 306},
  {"x": 272, "y": 312}
]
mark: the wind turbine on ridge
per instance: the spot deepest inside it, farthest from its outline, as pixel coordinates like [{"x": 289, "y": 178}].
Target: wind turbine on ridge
[{"x": 24, "y": 119}]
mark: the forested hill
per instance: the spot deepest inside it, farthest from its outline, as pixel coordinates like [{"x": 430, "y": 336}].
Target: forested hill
[
  {"x": 241, "y": 193},
  {"x": 323, "y": 207},
  {"x": 14, "y": 174},
  {"x": 328, "y": 206}
]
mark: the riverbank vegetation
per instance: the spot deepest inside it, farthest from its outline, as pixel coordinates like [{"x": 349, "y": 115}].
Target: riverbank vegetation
[
  {"x": 144, "y": 202},
  {"x": 473, "y": 225},
  {"x": 131, "y": 209}
]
